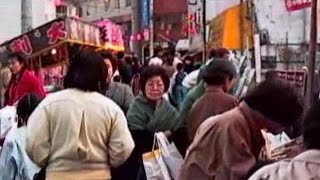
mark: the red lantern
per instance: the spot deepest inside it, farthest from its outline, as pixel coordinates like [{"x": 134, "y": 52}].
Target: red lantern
[{"x": 138, "y": 37}]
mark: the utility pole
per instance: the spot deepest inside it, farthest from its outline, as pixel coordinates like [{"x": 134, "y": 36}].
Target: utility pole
[
  {"x": 242, "y": 33},
  {"x": 151, "y": 23},
  {"x": 136, "y": 28},
  {"x": 312, "y": 55},
  {"x": 204, "y": 22},
  {"x": 26, "y": 15}
]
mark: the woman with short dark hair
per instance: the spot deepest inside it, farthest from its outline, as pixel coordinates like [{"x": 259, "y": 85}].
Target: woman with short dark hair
[
  {"x": 78, "y": 133},
  {"x": 149, "y": 113}
]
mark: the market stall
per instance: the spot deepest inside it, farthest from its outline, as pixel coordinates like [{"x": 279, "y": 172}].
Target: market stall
[{"x": 50, "y": 46}]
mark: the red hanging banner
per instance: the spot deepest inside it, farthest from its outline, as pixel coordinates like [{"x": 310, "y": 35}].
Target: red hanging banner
[{"x": 294, "y": 5}]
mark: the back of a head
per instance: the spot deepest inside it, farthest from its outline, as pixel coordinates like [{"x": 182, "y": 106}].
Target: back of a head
[
  {"x": 170, "y": 60},
  {"x": 155, "y": 62},
  {"x": 221, "y": 52},
  {"x": 120, "y": 55},
  {"x": 311, "y": 127},
  {"x": 213, "y": 53},
  {"x": 180, "y": 66},
  {"x": 272, "y": 74},
  {"x": 128, "y": 59},
  {"x": 277, "y": 100},
  {"x": 87, "y": 72},
  {"x": 218, "y": 71},
  {"x": 188, "y": 58},
  {"x": 27, "y": 105}
]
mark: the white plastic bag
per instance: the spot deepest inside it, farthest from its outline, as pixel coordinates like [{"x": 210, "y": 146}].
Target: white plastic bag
[
  {"x": 7, "y": 120},
  {"x": 170, "y": 154},
  {"x": 154, "y": 164}
]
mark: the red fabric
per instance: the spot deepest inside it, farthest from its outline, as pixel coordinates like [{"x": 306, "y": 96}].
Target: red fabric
[
  {"x": 28, "y": 83},
  {"x": 170, "y": 6}
]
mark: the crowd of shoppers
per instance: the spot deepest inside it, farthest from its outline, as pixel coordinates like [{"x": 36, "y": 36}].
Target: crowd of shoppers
[{"x": 111, "y": 106}]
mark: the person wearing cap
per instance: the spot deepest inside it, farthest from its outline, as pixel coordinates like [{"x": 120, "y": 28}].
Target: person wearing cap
[
  {"x": 227, "y": 146},
  {"x": 195, "y": 86},
  {"x": 219, "y": 78},
  {"x": 223, "y": 54}
]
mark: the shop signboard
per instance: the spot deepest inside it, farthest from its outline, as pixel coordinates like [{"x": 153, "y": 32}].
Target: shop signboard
[
  {"x": 295, "y": 78},
  {"x": 294, "y": 5},
  {"x": 145, "y": 8},
  {"x": 50, "y": 35},
  {"x": 114, "y": 38}
]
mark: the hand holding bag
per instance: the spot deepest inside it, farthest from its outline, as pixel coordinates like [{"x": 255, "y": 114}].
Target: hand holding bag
[
  {"x": 171, "y": 156},
  {"x": 154, "y": 164}
]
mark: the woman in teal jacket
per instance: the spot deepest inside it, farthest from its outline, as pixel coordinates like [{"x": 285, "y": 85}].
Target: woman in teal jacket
[{"x": 149, "y": 113}]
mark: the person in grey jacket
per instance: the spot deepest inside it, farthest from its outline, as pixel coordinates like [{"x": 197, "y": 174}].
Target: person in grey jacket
[{"x": 120, "y": 93}]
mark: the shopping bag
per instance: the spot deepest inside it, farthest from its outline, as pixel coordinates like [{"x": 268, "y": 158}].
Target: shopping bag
[
  {"x": 7, "y": 120},
  {"x": 154, "y": 164},
  {"x": 170, "y": 154}
]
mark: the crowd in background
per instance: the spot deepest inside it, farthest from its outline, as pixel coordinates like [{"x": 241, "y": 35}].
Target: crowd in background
[{"x": 112, "y": 105}]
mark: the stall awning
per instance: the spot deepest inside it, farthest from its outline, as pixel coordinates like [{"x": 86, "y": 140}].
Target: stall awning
[{"x": 53, "y": 34}]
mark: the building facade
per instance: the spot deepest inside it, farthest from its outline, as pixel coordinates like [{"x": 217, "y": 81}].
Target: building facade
[
  {"x": 10, "y": 10},
  {"x": 118, "y": 11},
  {"x": 168, "y": 17}
]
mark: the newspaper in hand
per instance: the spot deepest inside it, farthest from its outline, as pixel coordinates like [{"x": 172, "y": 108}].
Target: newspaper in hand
[{"x": 273, "y": 142}]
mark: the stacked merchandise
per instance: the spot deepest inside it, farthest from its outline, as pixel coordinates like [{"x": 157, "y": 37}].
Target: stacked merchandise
[{"x": 246, "y": 77}]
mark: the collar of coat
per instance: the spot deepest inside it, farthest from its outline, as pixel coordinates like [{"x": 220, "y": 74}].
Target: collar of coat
[
  {"x": 260, "y": 121},
  {"x": 214, "y": 89}
]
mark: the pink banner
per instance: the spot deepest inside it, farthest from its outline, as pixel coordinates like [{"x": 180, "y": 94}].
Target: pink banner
[
  {"x": 293, "y": 5},
  {"x": 57, "y": 2},
  {"x": 113, "y": 32}
]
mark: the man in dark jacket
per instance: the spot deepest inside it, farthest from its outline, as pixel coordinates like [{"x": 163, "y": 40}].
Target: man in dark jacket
[{"x": 219, "y": 78}]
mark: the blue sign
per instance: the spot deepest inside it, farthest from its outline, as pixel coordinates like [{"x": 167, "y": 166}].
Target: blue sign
[{"x": 145, "y": 12}]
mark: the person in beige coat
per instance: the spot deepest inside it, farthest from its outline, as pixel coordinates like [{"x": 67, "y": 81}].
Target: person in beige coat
[
  {"x": 307, "y": 164},
  {"x": 78, "y": 133},
  {"x": 227, "y": 146}
]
